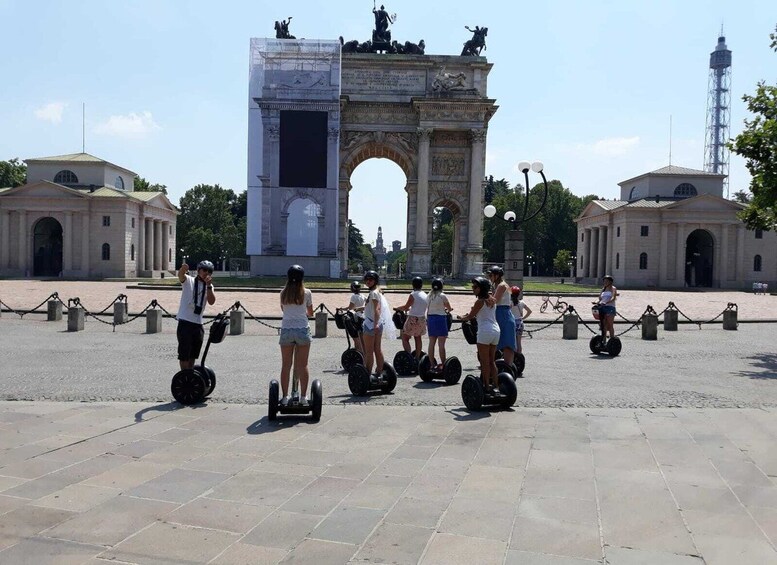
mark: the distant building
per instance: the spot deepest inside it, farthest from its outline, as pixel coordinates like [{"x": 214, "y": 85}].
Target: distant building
[
  {"x": 78, "y": 216},
  {"x": 379, "y": 250},
  {"x": 672, "y": 228},
  {"x": 396, "y": 246}
]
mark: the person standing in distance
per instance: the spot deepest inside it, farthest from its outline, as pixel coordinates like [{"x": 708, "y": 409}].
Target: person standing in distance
[
  {"x": 437, "y": 319},
  {"x": 504, "y": 316},
  {"x": 295, "y": 340},
  {"x": 195, "y": 291},
  {"x": 415, "y": 325}
]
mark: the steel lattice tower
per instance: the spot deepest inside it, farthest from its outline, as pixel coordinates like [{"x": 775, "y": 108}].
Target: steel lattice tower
[{"x": 716, "y": 154}]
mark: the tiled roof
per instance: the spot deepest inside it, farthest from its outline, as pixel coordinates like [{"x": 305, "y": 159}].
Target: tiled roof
[
  {"x": 675, "y": 170},
  {"x": 650, "y": 203},
  {"x": 610, "y": 204},
  {"x": 144, "y": 196},
  {"x": 75, "y": 158},
  {"x": 109, "y": 192}
]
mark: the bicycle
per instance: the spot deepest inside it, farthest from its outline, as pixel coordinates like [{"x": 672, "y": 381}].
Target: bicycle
[{"x": 560, "y": 306}]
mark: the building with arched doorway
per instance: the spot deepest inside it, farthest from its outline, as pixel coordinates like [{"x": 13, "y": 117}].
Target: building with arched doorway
[
  {"x": 78, "y": 216},
  {"x": 672, "y": 228}
]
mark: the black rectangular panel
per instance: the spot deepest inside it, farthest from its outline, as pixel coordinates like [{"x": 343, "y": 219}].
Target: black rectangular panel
[{"x": 303, "y": 149}]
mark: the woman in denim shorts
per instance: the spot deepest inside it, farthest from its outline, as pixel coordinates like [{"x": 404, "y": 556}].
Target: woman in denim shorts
[
  {"x": 607, "y": 304},
  {"x": 297, "y": 306},
  {"x": 488, "y": 332}
]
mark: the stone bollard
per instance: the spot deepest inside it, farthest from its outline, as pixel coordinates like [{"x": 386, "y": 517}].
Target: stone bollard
[
  {"x": 237, "y": 322},
  {"x": 54, "y": 308},
  {"x": 650, "y": 327},
  {"x": 570, "y": 326},
  {"x": 730, "y": 320},
  {"x": 321, "y": 321},
  {"x": 75, "y": 319},
  {"x": 153, "y": 321},
  {"x": 670, "y": 320},
  {"x": 120, "y": 314}
]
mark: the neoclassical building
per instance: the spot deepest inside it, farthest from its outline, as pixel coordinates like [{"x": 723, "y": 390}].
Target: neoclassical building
[
  {"x": 78, "y": 216},
  {"x": 672, "y": 228}
]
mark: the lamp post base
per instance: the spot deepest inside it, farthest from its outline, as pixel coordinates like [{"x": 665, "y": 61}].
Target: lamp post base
[
  {"x": 514, "y": 248},
  {"x": 472, "y": 257}
]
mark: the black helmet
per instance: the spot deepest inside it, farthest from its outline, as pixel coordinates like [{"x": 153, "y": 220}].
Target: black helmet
[
  {"x": 437, "y": 284},
  {"x": 496, "y": 270},
  {"x": 371, "y": 275},
  {"x": 484, "y": 286},
  {"x": 207, "y": 265},
  {"x": 608, "y": 277},
  {"x": 295, "y": 273},
  {"x": 418, "y": 283},
  {"x": 356, "y": 286}
]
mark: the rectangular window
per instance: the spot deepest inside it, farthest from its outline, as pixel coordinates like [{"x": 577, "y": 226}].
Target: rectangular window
[
  {"x": 106, "y": 221},
  {"x": 618, "y": 231},
  {"x": 643, "y": 231},
  {"x": 171, "y": 229},
  {"x": 133, "y": 222},
  {"x": 303, "y": 139},
  {"x": 582, "y": 236},
  {"x": 759, "y": 234}
]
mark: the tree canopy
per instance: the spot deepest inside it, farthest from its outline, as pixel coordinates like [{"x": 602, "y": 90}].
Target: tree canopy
[
  {"x": 142, "y": 185},
  {"x": 13, "y": 173},
  {"x": 758, "y": 145},
  {"x": 360, "y": 256}
]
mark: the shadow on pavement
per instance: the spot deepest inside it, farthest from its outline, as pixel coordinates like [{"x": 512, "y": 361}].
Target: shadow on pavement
[
  {"x": 767, "y": 362},
  {"x": 464, "y": 415},
  {"x": 166, "y": 407},
  {"x": 264, "y": 426}
]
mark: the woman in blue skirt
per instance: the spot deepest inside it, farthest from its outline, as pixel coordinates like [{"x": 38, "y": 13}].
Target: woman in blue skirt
[{"x": 504, "y": 315}]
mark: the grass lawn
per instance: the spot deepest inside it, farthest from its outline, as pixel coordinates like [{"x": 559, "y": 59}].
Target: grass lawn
[{"x": 313, "y": 283}]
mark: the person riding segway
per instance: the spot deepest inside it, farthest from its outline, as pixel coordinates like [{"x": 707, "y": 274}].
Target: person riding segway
[
  {"x": 440, "y": 320},
  {"x": 604, "y": 311},
  {"x": 410, "y": 319},
  {"x": 505, "y": 319},
  {"x": 520, "y": 312}
]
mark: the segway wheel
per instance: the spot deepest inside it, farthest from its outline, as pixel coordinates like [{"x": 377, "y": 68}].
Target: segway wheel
[
  {"x": 210, "y": 378},
  {"x": 404, "y": 363},
  {"x": 503, "y": 367},
  {"x": 595, "y": 344},
  {"x": 351, "y": 357},
  {"x": 508, "y": 388},
  {"x": 317, "y": 399},
  {"x": 451, "y": 371},
  {"x": 390, "y": 378},
  {"x": 272, "y": 403},
  {"x": 472, "y": 393},
  {"x": 424, "y": 369},
  {"x": 519, "y": 362},
  {"x": 358, "y": 380},
  {"x": 188, "y": 387},
  {"x": 614, "y": 346}
]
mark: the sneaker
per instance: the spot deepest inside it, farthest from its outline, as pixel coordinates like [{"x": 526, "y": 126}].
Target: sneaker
[
  {"x": 304, "y": 401},
  {"x": 285, "y": 401}
]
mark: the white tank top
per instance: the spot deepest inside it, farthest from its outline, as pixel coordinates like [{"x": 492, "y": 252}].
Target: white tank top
[
  {"x": 486, "y": 318},
  {"x": 437, "y": 305},
  {"x": 605, "y": 296},
  {"x": 420, "y": 302},
  {"x": 505, "y": 300}
]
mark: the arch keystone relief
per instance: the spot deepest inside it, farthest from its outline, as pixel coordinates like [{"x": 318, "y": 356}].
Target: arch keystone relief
[{"x": 316, "y": 112}]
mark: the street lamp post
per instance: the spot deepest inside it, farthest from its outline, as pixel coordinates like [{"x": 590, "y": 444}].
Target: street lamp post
[{"x": 514, "y": 238}]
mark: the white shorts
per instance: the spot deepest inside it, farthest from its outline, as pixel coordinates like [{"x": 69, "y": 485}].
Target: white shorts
[{"x": 488, "y": 337}]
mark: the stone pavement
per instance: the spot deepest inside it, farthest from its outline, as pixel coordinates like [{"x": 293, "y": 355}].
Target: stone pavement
[{"x": 161, "y": 484}]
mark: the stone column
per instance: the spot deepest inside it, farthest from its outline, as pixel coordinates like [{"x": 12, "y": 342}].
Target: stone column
[
  {"x": 85, "y": 255},
  {"x": 609, "y": 266},
  {"x": 724, "y": 255},
  {"x": 587, "y": 253},
  {"x": 141, "y": 256},
  {"x": 602, "y": 253},
  {"x": 477, "y": 174},
  {"x": 157, "y": 245},
  {"x": 422, "y": 196},
  {"x": 741, "y": 254},
  {"x": 149, "y": 258},
  {"x": 663, "y": 260},
  {"x": 23, "y": 242},
  {"x": 680, "y": 257},
  {"x": 5, "y": 238},
  {"x": 67, "y": 244},
  {"x": 594, "y": 253},
  {"x": 165, "y": 245}
]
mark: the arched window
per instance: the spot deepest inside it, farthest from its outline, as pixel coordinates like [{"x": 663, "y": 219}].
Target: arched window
[
  {"x": 302, "y": 228},
  {"x": 631, "y": 192},
  {"x": 119, "y": 183},
  {"x": 757, "y": 263},
  {"x": 66, "y": 177},
  {"x": 643, "y": 261},
  {"x": 685, "y": 189},
  {"x": 132, "y": 252},
  {"x": 106, "y": 252},
  {"x": 617, "y": 261}
]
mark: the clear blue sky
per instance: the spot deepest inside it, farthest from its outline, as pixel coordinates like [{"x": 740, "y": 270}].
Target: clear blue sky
[{"x": 586, "y": 87}]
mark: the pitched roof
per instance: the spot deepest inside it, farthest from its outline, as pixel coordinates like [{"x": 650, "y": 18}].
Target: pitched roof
[
  {"x": 76, "y": 158},
  {"x": 650, "y": 203},
  {"x": 610, "y": 204},
  {"x": 675, "y": 170}
]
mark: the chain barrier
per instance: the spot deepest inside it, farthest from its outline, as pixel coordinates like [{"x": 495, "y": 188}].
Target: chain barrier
[
  {"x": 570, "y": 309},
  {"x": 238, "y": 305},
  {"x": 23, "y": 313},
  {"x": 76, "y": 302}
]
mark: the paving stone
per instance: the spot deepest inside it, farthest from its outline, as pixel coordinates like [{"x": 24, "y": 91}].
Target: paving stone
[
  {"x": 555, "y": 508},
  {"x": 516, "y": 557},
  {"x": 415, "y": 512},
  {"x": 626, "y": 454},
  {"x": 766, "y": 518},
  {"x": 630, "y": 556},
  {"x": 282, "y": 530},
  {"x": 170, "y": 544},
  {"x": 265, "y": 489},
  {"x": 229, "y": 463},
  {"x": 320, "y": 552},
  {"x": 246, "y": 554},
  {"x": 9, "y": 503},
  {"x": 473, "y": 517},
  {"x": 394, "y": 543},
  {"x": 78, "y": 498},
  {"x": 556, "y": 537},
  {"x": 492, "y": 483},
  {"x": 44, "y": 551},
  {"x": 219, "y": 515},
  {"x": 348, "y": 524},
  {"x": 724, "y": 550},
  {"x": 448, "y": 549},
  {"x": 129, "y": 475},
  {"x": 756, "y": 495},
  {"x": 140, "y": 448},
  {"x": 29, "y": 520},
  {"x": 178, "y": 485},
  {"x": 32, "y": 468}
]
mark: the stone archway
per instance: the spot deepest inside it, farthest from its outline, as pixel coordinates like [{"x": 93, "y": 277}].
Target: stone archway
[
  {"x": 47, "y": 248},
  {"x": 699, "y": 259}
]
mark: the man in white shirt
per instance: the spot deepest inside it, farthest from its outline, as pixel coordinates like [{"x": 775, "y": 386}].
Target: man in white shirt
[{"x": 195, "y": 291}]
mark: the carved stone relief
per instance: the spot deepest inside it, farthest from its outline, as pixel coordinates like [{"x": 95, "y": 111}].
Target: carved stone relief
[
  {"x": 451, "y": 138},
  {"x": 448, "y": 164}
]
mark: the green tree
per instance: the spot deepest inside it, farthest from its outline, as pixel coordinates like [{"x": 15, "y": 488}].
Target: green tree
[
  {"x": 758, "y": 145},
  {"x": 142, "y": 185},
  {"x": 495, "y": 188},
  {"x": 442, "y": 241},
  {"x": 742, "y": 196},
  {"x": 13, "y": 173},
  {"x": 562, "y": 261}
]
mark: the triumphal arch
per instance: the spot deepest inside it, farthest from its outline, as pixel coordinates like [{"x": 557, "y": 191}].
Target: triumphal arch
[{"x": 317, "y": 109}]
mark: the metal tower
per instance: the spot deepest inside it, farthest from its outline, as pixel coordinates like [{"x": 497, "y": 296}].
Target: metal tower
[{"x": 716, "y": 154}]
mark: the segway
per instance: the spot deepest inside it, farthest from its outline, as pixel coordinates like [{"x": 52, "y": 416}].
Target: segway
[
  {"x": 348, "y": 321},
  {"x": 450, "y": 371},
  {"x": 470, "y": 331},
  {"x": 405, "y": 363},
  {"x": 476, "y": 396},
  {"x": 599, "y": 344},
  {"x": 360, "y": 381},
  {"x": 295, "y": 405},
  {"x": 192, "y": 386}
]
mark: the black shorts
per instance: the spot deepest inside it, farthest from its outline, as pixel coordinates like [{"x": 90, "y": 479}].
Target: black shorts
[{"x": 190, "y": 337}]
